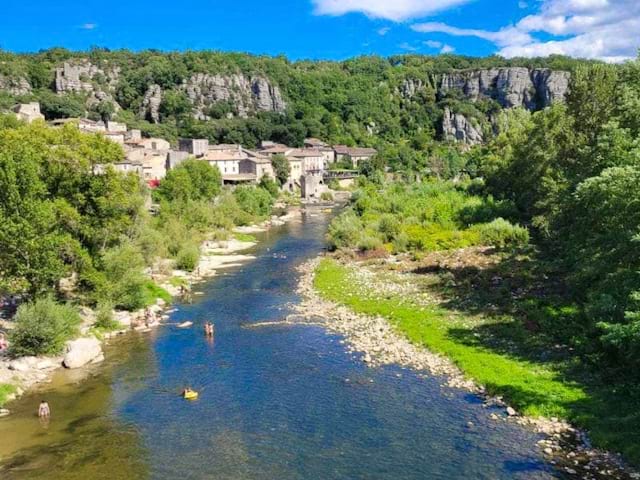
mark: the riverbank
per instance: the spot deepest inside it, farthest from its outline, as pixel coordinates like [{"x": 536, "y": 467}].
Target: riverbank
[
  {"x": 392, "y": 322},
  {"x": 21, "y": 375}
]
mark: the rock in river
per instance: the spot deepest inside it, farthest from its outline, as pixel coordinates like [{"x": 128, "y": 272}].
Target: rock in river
[{"x": 81, "y": 352}]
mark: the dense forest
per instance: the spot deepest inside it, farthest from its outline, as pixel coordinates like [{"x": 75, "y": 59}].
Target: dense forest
[{"x": 362, "y": 101}]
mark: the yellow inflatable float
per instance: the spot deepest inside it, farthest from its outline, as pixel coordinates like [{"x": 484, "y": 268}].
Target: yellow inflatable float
[{"x": 190, "y": 395}]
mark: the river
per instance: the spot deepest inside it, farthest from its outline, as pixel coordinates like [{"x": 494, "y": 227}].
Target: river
[{"x": 275, "y": 402}]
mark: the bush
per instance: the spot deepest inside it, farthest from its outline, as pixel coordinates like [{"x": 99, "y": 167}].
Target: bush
[
  {"x": 43, "y": 327},
  {"x": 270, "y": 186},
  {"x": 369, "y": 243},
  {"x": 187, "y": 258},
  {"x": 500, "y": 233},
  {"x": 344, "y": 231},
  {"x": 254, "y": 201},
  {"x": 104, "y": 317},
  {"x": 433, "y": 238},
  {"x": 326, "y": 197}
]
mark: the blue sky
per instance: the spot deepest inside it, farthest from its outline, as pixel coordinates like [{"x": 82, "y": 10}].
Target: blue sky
[{"x": 330, "y": 29}]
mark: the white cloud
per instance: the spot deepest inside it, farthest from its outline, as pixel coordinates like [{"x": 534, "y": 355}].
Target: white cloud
[
  {"x": 396, "y": 10},
  {"x": 447, "y": 49},
  {"x": 89, "y": 26},
  {"x": 604, "y": 29},
  {"x": 383, "y": 31},
  {"x": 433, "y": 44},
  {"x": 407, "y": 46}
]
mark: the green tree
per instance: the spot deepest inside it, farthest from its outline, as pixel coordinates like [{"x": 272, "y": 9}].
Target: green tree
[
  {"x": 191, "y": 180},
  {"x": 281, "y": 167}
]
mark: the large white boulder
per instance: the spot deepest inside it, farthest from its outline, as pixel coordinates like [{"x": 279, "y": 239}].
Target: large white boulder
[{"x": 81, "y": 352}]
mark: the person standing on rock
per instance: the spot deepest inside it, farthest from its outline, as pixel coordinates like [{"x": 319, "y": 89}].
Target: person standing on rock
[{"x": 44, "y": 411}]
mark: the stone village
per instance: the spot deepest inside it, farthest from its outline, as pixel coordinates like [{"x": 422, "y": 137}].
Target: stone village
[{"x": 151, "y": 158}]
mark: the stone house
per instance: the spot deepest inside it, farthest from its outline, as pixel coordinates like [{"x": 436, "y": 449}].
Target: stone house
[
  {"x": 227, "y": 162},
  {"x": 175, "y": 158},
  {"x": 198, "y": 148},
  {"x": 295, "y": 174},
  {"x": 312, "y": 160},
  {"x": 353, "y": 155},
  {"x": 28, "y": 112},
  {"x": 155, "y": 144},
  {"x": 256, "y": 164}
]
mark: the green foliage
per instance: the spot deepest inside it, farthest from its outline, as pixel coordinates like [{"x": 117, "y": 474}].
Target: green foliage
[
  {"x": 5, "y": 391},
  {"x": 326, "y": 197},
  {"x": 104, "y": 317},
  {"x": 270, "y": 186},
  {"x": 500, "y": 233},
  {"x": 424, "y": 217},
  {"x": 191, "y": 180},
  {"x": 43, "y": 327},
  {"x": 55, "y": 106},
  {"x": 281, "y": 168},
  {"x": 254, "y": 201},
  {"x": 187, "y": 258}
]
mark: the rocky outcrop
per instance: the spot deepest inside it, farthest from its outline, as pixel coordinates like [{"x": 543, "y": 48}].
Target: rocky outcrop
[
  {"x": 412, "y": 86},
  {"x": 458, "y": 128},
  {"x": 150, "y": 108},
  {"x": 83, "y": 76},
  {"x": 511, "y": 87},
  {"x": 246, "y": 95},
  {"x": 15, "y": 85},
  {"x": 82, "y": 351}
]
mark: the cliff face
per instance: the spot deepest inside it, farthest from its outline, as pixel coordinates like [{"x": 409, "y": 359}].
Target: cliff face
[
  {"x": 511, "y": 87},
  {"x": 247, "y": 95},
  {"x": 84, "y": 77},
  {"x": 15, "y": 85},
  {"x": 458, "y": 128}
]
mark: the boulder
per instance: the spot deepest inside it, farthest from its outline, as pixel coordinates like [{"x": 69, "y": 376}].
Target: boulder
[
  {"x": 23, "y": 364},
  {"x": 81, "y": 352},
  {"x": 4, "y": 412}
]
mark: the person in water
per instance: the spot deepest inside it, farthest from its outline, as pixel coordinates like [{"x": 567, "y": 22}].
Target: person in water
[
  {"x": 187, "y": 391},
  {"x": 208, "y": 329},
  {"x": 43, "y": 410}
]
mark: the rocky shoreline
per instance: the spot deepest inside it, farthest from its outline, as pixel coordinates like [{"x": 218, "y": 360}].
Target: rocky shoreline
[
  {"x": 565, "y": 446},
  {"x": 27, "y": 373}
]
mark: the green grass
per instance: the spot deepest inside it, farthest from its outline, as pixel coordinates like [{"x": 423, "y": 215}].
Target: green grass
[
  {"x": 5, "y": 391},
  {"x": 533, "y": 387},
  {"x": 153, "y": 292},
  {"x": 245, "y": 237},
  {"x": 178, "y": 281}
]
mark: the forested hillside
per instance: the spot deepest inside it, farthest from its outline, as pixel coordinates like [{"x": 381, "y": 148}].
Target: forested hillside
[{"x": 396, "y": 104}]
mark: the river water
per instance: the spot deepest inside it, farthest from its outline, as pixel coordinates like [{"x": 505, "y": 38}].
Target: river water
[{"x": 275, "y": 402}]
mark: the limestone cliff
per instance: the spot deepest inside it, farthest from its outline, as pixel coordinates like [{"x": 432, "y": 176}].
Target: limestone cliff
[
  {"x": 15, "y": 85},
  {"x": 458, "y": 128},
  {"x": 246, "y": 94},
  {"x": 511, "y": 87},
  {"x": 150, "y": 108}
]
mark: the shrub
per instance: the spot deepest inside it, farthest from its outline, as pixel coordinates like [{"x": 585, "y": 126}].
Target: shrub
[
  {"x": 344, "y": 231},
  {"x": 254, "y": 201},
  {"x": 326, "y": 197},
  {"x": 389, "y": 227},
  {"x": 104, "y": 317},
  {"x": 270, "y": 186},
  {"x": 187, "y": 258},
  {"x": 369, "y": 242},
  {"x": 153, "y": 292},
  {"x": 500, "y": 233},
  {"x": 43, "y": 327}
]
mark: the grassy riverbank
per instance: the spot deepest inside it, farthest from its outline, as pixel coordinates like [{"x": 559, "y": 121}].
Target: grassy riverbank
[{"x": 556, "y": 386}]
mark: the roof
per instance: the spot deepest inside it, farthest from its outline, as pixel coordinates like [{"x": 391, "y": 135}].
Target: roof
[
  {"x": 225, "y": 146},
  {"x": 315, "y": 142},
  {"x": 305, "y": 152},
  {"x": 256, "y": 156},
  {"x": 276, "y": 149},
  {"x": 239, "y": 177},
  {"x": 222, "y": 156},
  {"x": 354, "y": 151}
]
